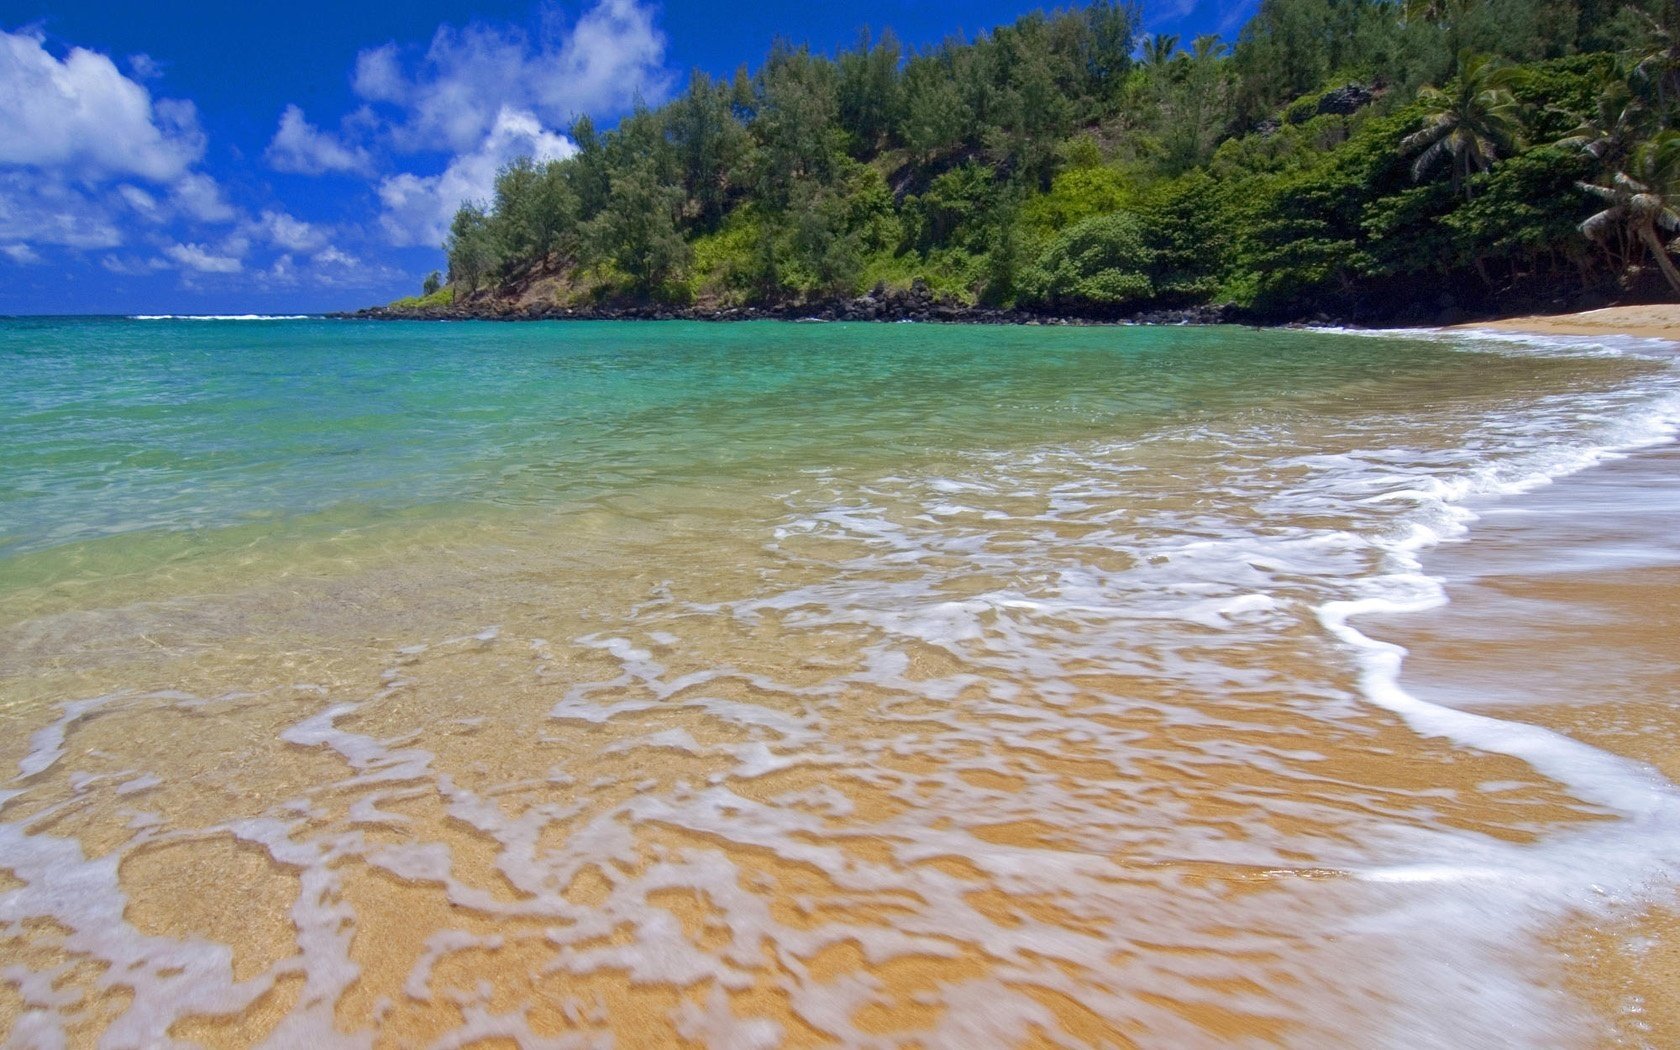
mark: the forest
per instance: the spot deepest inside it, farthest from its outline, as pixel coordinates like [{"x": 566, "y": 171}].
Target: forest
[{"x": 1354, "y": 159}]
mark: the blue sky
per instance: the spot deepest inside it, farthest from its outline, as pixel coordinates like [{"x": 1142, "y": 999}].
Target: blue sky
[{"x": 216, "y": 157}]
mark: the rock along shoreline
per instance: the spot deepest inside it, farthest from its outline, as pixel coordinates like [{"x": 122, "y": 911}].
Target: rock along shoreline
[{"x": 916, "y": 304}]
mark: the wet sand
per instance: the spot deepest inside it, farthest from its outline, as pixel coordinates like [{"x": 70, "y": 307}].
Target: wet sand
[
  {"x": 1565, "y": 613},
  {"x": 1020, "y": 750}
]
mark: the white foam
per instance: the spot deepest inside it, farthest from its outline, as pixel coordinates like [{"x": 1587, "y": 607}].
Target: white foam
[
  {"x": 980, "y": 646},
  {"x": 223, "y": 317}
]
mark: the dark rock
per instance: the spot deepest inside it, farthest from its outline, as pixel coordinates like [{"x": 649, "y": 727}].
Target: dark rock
[{"x": 1347, "y": 99}]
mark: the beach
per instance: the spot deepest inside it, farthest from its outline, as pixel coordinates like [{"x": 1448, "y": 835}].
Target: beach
[
  {"x": 764, "y": 685},
  {"x": 1655, "y": 321},
  {"x": 1564, "y": 612}
]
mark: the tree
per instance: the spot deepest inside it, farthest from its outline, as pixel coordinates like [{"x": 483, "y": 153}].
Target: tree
[
  {"x": 870, "y": 94},
  {"x": 470, "y": 248},
  {"x": 637, "y": 230},
  {"x": 1102, "y": 262},
  {"x": 1643, "y": 200},
  {"x": 795, "y": 123},
  {"x": 1656, "y": 70},
  {"x": 934, "y": 120},
  {"x": 1158, "y": 50},
  {"x": 431, "y": 284},
  {"x": 1111, "y": 36},
  {"x": 1610, "y": 135},
  {"x": 1472, "y": 124},
  {"x": 711, "y": 147}
]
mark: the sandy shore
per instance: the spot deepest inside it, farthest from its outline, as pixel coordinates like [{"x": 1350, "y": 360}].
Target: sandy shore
[
  {"x": 1661, "y": 321},
  {"x": 1565, "y": 606}
]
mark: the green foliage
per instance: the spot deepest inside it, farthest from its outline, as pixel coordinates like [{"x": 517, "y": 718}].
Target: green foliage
[
  {"x": 1100, "y": 262},
  {"x": 431, "y": 284},
  {"x": 439, "y": 297},
  {"x": 1075, "y": 195},
  {"x": 637, "y": 231},
  {"x": 1471, "y": 125},
  {"x": 1040, "y": 164}
]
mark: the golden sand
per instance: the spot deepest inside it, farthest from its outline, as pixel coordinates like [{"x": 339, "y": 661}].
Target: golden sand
[
  {"x": 1566, "y": 614},
  {"x": 1658, "y": 321},
  {"x": 678, "y": 786}
]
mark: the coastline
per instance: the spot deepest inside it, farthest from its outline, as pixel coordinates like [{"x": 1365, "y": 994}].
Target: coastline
[
  {"x": 920, "y": 304},
  {"x": 1563, "y": 607},
  {"x": 1653, "y": 321},
  {"x": 579, "y": 670},
  {"x": 882, "y": 307}
]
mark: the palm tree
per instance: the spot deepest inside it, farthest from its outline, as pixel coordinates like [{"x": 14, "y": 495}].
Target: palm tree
[
  {"x": 1206, "y": 46},
  {"x": 1610, "y": 135},
  {"x": 1158, "y": 49},
  {"x": 1657, "y": 71},
  {"x": 1472, "y": 124},
  {"x": 1642, "y": 200}
]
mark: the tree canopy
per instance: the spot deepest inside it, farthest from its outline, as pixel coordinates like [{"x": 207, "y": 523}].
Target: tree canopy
[{"x": 1337, "y": 154}]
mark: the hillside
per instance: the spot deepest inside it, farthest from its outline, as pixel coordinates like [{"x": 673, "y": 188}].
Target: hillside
[{"x": 1362, "y": 160}]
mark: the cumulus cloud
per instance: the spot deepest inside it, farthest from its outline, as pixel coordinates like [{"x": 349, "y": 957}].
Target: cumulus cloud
[
  {"x": 330, "y": 267},
  {"x": 85, "y": 150},
  {"x": 38, "y": 210},
  {"x": 82, "y": 114},
  {"x": 451, "y": 98},
  {"x": 197, "y": 196},
  {"x": 418, "y": 208},
  {"x": 22, "y": 254},
  {"x": 289, "y": 233},
  {"x": 198, "y": 258},
  {"x": 302, "y": 148}
]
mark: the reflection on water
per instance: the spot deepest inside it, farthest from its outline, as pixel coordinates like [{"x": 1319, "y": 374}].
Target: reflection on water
[{"x": 795, "y": 687}]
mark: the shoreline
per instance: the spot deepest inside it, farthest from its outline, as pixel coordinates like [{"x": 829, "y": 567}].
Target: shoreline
[
  {"x": 1561, "y": 609},
  {"x": 918, "y": 304},
  {"x": 1648, "y": 321}
]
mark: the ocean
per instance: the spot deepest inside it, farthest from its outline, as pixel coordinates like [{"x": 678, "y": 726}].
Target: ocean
[{"x": 668, "y": 684}]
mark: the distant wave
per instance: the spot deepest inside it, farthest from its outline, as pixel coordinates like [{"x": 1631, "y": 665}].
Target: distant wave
[{"x": 220, "y": 317}]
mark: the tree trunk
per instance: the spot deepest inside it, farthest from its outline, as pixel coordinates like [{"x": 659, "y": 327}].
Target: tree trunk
[{"x": 1648, "y": 234}]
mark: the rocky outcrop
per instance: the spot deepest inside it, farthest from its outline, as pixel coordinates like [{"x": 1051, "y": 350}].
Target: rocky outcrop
[
  {"x": 1345, "y": 100},
  {"x": 916, "y": 303}
]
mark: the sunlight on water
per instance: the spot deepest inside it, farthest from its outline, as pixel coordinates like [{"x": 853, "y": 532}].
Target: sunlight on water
[{"x": 420, "y": 685}]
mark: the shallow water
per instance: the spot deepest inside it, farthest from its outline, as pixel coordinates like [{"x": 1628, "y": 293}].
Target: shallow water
[{"x": 769, "y": 685}]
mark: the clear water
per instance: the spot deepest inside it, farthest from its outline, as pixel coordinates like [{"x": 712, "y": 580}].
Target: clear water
[{"x": 778, "y": 684}]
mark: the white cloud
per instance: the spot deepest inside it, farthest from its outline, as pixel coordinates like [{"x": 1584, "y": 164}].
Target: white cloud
[
  {"x": 197, "y": 196},
  {"x": 418, "y": 208},
  {"x": 40, "y": 210},
  {"x": 81, "y": 114},
  {"x": 379, "y": 76},
  {"x": 288, "y": 233},
  {"x": 71, "y": 127},
  {"x": 453, "y": 97},
  {"x": 334, "y": 257},
  {"x": 302, "y": 148},
  {"x": 141, "y": 201},
  {"x": 201, "y": 259},
  {"x": 129, "y": 266},
  {"x": 144, "y": 67},
  {"x": 22, "y": 254},
  {"x": 331, "y": 267}
]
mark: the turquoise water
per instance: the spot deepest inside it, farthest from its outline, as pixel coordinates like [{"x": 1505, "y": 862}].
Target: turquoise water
[
  {"x": 403, "y": 684},
  {"x": 114, "y": 426}
]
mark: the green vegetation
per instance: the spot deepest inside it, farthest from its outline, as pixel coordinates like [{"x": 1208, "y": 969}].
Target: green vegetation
[
  {"x": 1359, "y": 157},
  {"x": 437, "y": 297}
]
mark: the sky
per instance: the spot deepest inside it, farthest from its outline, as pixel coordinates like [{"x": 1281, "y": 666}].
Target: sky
[{"x": 217, "y": 157}]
